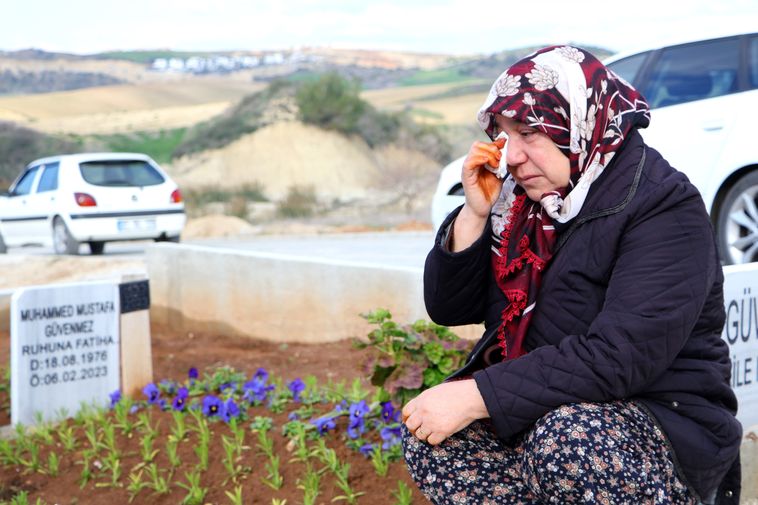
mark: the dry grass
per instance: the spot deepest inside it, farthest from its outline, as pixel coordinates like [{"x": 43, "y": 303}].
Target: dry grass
[{"x": 130, "y": 107}]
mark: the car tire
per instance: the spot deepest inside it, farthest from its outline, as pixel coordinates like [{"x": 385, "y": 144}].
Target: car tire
[
  {"x": 96, "y": 248},
  {"x": 63, "y": 241},
  {"x": 172, "y": 238},
  {"x": 737, "y": 222},
  {"x": 3, "y": 247}
]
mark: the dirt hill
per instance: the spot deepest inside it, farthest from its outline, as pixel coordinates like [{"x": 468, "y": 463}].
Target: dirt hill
[{"x": 291, "y": 153}]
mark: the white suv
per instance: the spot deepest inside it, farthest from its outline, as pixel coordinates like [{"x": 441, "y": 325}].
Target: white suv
[
  {"x": 704, "y": 97},
  {"x": 95, "y": 198}
]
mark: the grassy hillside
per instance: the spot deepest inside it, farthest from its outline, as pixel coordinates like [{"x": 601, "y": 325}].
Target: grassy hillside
[{"x": 19, "y": 146}]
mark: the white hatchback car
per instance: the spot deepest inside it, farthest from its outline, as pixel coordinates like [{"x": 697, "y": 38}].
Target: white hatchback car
[
  {"x": 704, "y": 97},
  {"x": 63, "y": 201}
]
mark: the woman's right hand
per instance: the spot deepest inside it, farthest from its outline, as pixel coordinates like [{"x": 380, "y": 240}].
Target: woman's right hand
[{"x": 481, "y": 187}]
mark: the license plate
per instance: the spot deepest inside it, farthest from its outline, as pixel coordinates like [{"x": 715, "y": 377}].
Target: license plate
[{"x": 136, "y": 224}]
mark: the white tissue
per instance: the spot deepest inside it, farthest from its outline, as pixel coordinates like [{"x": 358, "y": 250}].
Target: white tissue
[{"x": 501, "y": 171}]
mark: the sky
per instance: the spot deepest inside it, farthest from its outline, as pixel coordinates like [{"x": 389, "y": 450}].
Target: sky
[{"x": 460, "y": 27}]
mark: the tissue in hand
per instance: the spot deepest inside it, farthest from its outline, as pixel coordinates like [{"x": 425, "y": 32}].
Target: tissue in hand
[{"x": 501, "y": 171}]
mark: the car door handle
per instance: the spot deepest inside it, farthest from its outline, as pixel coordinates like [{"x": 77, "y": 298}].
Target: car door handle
[{"x": 713, "y": 126}]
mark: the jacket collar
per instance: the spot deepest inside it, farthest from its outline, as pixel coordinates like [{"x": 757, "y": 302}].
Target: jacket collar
[{"x": 615, "y": 187}]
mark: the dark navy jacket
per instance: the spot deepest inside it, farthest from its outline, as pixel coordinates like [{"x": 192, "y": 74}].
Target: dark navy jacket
[{"x": 631, "y": 307}]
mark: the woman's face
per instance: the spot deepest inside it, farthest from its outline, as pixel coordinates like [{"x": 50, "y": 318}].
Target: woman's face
[{"x": 534, "y": 161}]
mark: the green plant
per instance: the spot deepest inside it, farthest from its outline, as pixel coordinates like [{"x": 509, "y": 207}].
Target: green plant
[
  {"x": 261, "y": 423},
  {"x": 403, "y": 494},
  {"x": 380, "y": 459},
  {"x": 273, "y": 478},
  {"x": 195, "y": 492},
  {"x": 179, "y": 429},
  {"x": 172, "y": 445},
  {"x": 53, "y": 464},
  {"x": 135, "y": 485},
  {"x": 300, "y": 201},
  {"x": 236, "y": 496},
  {"x": 67, "y": 437},
  {"x": 146, "y": 448},
  {"x": 405, "y": 360},
  {"x": 158, "y": 482},
  {"x": 231, "y": 459},
  {"x": 331, "y": 102},
  {"x": 341, "y": 474},
  {"x": 310, "y": 485}
]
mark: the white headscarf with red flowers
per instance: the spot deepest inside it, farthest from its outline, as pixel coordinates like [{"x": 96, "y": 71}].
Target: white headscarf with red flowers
[{"x": 587, "y": 111}]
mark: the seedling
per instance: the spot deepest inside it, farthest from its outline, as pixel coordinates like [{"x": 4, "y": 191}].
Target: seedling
[
  {"x": 236, "y": 497},
  {"x": 179, "y": 430},
  {"x": 273, "y": 478},
  {"x": 310, "y": 485},
  {"x": 195, "y": 492},
  {"x": 135, "y": 485},
  {"x": 157, "y": 483},
  {"x": 53, "y": 464},
  {"x": 403, "y": 494},
  {"x": 171, "y": 452},
  {"x": 380, "y": 460}
]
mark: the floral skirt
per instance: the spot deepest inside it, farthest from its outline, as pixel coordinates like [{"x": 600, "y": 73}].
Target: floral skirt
[{"x": 608, "y": 453}]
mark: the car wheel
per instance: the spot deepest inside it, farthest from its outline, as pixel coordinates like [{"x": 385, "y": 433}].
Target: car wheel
[
  {"x": 3, "y": 247},
  {"x": 96, "y": 247},
  {"x": 737, "y": 224},
  {"x": 63, "y": 242},
  {"x": 173, "y": 238}
]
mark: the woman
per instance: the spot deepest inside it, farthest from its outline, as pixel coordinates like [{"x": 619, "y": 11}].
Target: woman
[{"x": 601, "y": 376}]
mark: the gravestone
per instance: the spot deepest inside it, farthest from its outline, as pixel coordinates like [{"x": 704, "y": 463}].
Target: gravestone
[
  {"x": 65, "y": 348},
  {"x": 741, "y": 333}
]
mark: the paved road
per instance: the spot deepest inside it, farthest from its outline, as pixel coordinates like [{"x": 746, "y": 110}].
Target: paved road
[{"x": 402, "y": 249}]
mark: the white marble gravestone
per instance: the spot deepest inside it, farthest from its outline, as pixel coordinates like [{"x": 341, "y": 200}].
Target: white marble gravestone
[{"x": 64, "y": 348}]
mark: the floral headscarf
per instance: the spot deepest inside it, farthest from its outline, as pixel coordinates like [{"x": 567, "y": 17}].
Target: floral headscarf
[{"x": 587, "y": 111}]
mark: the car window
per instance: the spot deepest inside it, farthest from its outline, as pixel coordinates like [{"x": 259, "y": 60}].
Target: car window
[
  {"x": 628, "y": 68},
  {"x": 753, "y": 59},
  {"x": 49, "y": 179},
  {"x": 24, "y": 184},
  {"x": 120, "y": 173},
  {"x": 693, "y": 72}
]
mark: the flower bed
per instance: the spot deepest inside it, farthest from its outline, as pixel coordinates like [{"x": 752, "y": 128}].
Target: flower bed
[{"x": 231, "y": 437}]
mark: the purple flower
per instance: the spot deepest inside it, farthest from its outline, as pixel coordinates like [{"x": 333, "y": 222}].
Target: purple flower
[
  {"x": 297, "y": 386},
  {"x": 255, "y": 390},
  {"x": 389, "y": 413},
  {"x": 192, "y": 373},
  {"x": 341, "y": 406},
  {"x": 134, "y": 408},
  {"x": 391, "y": 436},
  {"x": 115, "y": 397},
  {"x": 212, "y": 406},
  {"x": 152, "y": 393},
  {"x": 261, "y": 374},
  {"x": 359, "y": 409},
  {"x": 357, "y": 424},
  {"x": 226, "y": 385},
  {"x": 180, "y": 400},
  {"x": 293, "y": 416},
  {"x": 229, "y": 411},
  {"x": 163, "y": 404},
  {"x": 367, "y": 449},
  {"x": 324, "y": 424}
]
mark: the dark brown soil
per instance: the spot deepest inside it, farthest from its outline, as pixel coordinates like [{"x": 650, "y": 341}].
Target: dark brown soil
[{"x": 173, "y": 355}]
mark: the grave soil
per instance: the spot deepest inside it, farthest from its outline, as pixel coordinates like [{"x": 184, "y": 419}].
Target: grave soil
[{"x": 173, "y": 354}]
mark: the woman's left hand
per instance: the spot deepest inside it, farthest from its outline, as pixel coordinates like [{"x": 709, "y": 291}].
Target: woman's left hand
[{"x": 443, "y": 410}]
